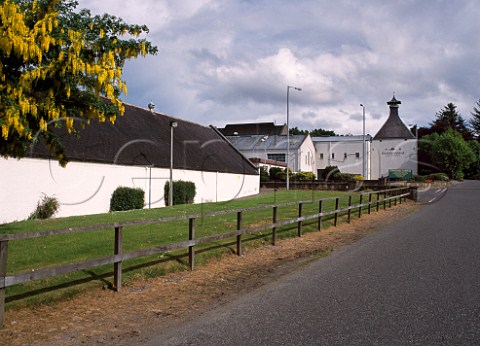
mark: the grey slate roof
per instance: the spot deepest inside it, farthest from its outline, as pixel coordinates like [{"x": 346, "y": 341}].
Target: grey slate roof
[
  {"x": 259, "y": 142},
  {"x": 341, "y": 138},
  {"x": 394, "y": 128},
  {"x": 142, "y": 138},
  {"x": 248, "y": 129}
]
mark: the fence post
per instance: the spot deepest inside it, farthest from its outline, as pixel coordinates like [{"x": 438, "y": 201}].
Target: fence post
[
  {"x": 385, "y": 200},
  {"x": 274, "y": 229},
  {"x": 117, "y": 265},
  {"x": 360, "y": 208},
  {"x": 369, "y": 203},
  {"x": 378, "y": 198},
  {"x": 3, "y": 273},
  {"x": 320, "y": 217},
  {"x": 239, "y": 236},
  {"x": 336, "y": 211},
  {"x": 191, "y": 249},
  {"x": 300, "y": 206},
  {"x": 349, "y": 208}
]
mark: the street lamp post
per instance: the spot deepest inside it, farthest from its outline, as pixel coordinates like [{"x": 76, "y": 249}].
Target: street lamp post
[
  {"x": 288, "y": 132},
  {"x": 173, "y": 124},
  {"x": 364, "y": 171}
]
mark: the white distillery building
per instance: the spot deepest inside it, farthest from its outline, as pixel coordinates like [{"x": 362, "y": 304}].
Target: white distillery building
[
  {"x": 345, "y": 152},
  {"x": 135, "y": 152},
  {"x": 394, "y": 147}
]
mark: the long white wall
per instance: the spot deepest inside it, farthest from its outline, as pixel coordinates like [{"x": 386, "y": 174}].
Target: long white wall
[{"x": 86, "y": 188}]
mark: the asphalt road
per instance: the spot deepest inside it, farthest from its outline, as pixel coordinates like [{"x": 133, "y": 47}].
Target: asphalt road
[{"x": 417, "y": 282}]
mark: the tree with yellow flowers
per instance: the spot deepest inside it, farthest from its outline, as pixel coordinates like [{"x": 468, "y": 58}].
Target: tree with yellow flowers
[{"x": 57, "y": 66}]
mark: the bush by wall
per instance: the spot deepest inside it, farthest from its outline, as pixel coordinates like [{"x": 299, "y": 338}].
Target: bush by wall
[
  {"x": 304, "y": 176},
  {"x": 46, "y": 208},
  {"x": 264, "y": 173},
  {"x": 275, "y": 173},
  {"x": 183, "y": 192},
  {"x": 127, "y": 198}
]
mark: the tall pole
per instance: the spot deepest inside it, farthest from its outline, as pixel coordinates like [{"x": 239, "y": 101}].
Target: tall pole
[
  {"x": 288, "y": 134},
  {"x": 173, "y": 124},
  {"x": 364, "y": 171}
]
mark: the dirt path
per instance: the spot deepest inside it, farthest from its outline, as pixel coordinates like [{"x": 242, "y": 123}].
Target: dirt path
[{"x": 131, "y": 316}]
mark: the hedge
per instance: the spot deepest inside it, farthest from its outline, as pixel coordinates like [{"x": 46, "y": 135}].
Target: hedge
[
  {"x": 183, "y": 192},
  {"x": 127, "y": 198}
]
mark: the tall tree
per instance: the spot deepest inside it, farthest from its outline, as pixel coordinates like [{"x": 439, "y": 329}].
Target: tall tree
[
  {"x": 56, "y": 64},
  {"x": 450, "y": 152},
  {"x": 475, "y": 121},
  {"x": 449, "y": 118}
]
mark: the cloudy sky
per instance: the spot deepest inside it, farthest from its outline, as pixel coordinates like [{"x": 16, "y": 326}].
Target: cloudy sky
[{"x": 230, "y": 61}]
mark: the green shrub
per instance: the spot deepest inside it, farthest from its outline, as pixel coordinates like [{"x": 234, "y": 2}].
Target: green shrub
[
  {"x": 344, "y": 177},
  {"x": 283, "y": 174},
  {"x": 275, "y": 172},
  {"x": 330, "y": 172},
  {"x": 438, "y": 176},
  {"x": 46, "y": 208},
  {"x": 183, "y": 192},
  {"x": 458, "y": 176},
  {"x": 305, "y": 176},
  {"x": 419, "y": 178},
  {"x": 127, "y": 198},
  {"x": 264, "y": 173}
]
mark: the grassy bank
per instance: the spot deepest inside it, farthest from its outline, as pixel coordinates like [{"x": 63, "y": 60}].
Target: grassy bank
[{"x": 32, "y": 254}]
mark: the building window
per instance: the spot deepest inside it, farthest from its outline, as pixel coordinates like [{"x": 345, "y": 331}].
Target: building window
[
  {"x": 344, "y": 155},
  {"x": 277, "y": 157},
  {"x": 321, "y": 156},
  {"x": 333, "y": 155},
  {"x": 357, "y": 155}
]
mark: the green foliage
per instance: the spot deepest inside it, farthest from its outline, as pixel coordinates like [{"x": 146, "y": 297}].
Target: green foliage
[
  {"x": 438, "y": 176},
  {"x": 304, "y": 176},
  {"x": 449, "y": 118},
  {"x": 275, "y": 173},
  {"x": 314, "y": 133},
  {"x": 474, "y": 168},
  {"x": 283, "y": 174},
  {"x": 459, "y": 176},
  {"x": 56, "y": 63},
  {"x": 450, "y": 152},
  {"x": 127, "y": 198},
  {"x": 344, "y": 177},
  {"x": 330, "y": 172},
  {"x": 46, "y": 208},
  {"x": 475, "y": 120},
  {"x": 264, "y": 173},
  {"x": 183, "y": 192}
]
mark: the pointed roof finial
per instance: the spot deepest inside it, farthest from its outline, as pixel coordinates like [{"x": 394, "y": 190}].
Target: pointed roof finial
[{"x": 393, "y": 102}]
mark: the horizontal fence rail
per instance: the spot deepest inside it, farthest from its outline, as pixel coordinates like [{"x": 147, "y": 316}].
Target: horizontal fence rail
[{"x": 383, "y": 198}]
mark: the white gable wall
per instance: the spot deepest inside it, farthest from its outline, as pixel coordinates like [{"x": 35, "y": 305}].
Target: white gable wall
[
  {"x": 346, "y": 155},
  {"x": 86, "y": 188},
  {"x": 393, "y": 154}
]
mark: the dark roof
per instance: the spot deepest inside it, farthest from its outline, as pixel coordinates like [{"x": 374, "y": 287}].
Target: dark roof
[
  {"x": 249, "y": 129},
  {"x": 394, "y": 128},
  {"x": 142, "y": 138}
]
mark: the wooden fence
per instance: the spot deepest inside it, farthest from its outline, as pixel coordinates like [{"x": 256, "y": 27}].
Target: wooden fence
[{"x": 384, "y": 197}]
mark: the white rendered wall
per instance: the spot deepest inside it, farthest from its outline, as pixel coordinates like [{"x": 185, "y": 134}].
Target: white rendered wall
[
  {"x": 393, "y": 154},
  {"x": 86, "y": 188},
  {"x": 350, "y": 164}
]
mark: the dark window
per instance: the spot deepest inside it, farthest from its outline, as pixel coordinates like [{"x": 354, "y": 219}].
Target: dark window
[
  {"x": 357, "y": 155},
  {"x": 277, "y": 157}
]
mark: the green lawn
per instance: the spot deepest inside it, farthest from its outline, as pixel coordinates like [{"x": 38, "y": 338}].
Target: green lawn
[{"x": 30, "y": 254}]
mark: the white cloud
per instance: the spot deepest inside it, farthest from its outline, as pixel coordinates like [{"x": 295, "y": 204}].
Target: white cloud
[{"x": 231, "y": 61}]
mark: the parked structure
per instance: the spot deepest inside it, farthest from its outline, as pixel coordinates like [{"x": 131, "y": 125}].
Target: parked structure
[{"x": 134, "y": 152}]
